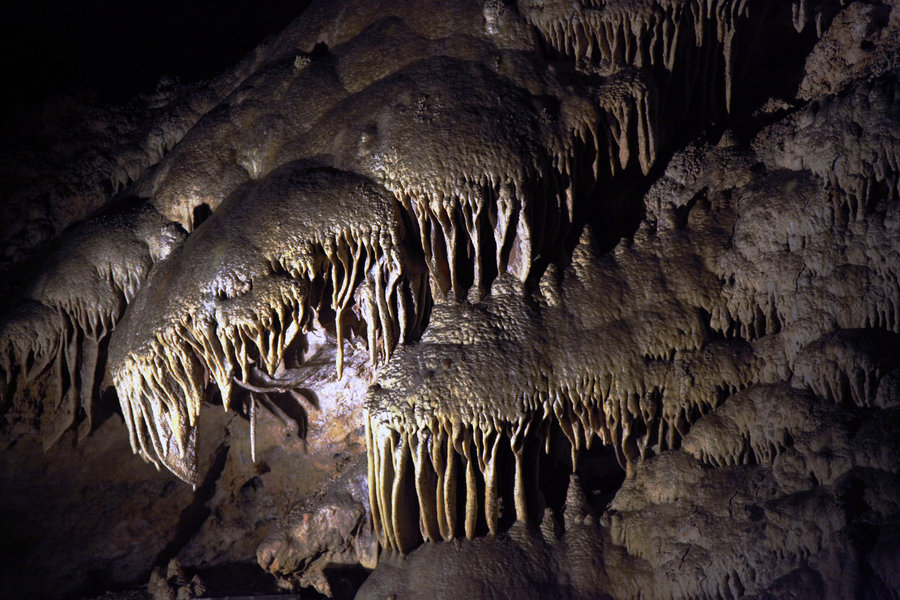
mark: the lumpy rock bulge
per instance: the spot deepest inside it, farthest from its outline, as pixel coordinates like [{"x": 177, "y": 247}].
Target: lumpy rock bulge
[{"x": 469, "y": 300}]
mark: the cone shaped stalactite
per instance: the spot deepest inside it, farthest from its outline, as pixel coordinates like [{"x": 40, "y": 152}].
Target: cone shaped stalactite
[
  {"x": 631, "y": 106},
  {"x": 653, "y": 35},
  {"x": 90, "y": 275},
  {"x": 625, "y": 271},
  {"x": 439, "y": 417},
  {"x": 357, "y": 190},
  {"x": 251, "y": 281},
  {"x": 492, "y": 198},
  {"x": 31, "y": 342}
]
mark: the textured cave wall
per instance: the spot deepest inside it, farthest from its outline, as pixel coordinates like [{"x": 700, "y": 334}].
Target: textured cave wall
[{"x": 498, "y": 299}]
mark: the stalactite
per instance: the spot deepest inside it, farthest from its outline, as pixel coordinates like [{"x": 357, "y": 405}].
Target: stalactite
[
  {"x": 91, "y": 275},
  {"x": 651, "y": 34},
  {"x": 240, "y": 311},
  {"x": 613, "y": 395}
]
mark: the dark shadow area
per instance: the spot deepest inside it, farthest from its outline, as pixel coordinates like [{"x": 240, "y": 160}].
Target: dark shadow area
[
  {"x": 345, "y": 580},
  {"x": 201, "y": 213},
  {"x": 598, "y": 470},
  {"x": 118, "y": 49},
  {"x": 193, "y": 516}
]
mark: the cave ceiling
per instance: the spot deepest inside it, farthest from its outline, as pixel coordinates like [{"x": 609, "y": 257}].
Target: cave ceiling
[{"x": 469, "y": 300}]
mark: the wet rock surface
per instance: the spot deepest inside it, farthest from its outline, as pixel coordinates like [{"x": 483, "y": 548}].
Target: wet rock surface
[{"x": 471, "y": 300}]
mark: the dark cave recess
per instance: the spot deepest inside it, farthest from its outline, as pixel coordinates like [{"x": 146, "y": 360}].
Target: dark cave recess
[{"x": 118, "y": 49}]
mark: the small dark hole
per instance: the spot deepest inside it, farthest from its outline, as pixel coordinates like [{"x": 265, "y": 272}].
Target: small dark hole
[
  {"x": 201, "y": 213},
  {"x": 755, "y": 511}
]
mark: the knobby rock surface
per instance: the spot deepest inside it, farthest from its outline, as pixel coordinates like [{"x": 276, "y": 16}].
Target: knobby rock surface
[{"x": 464, "y": 299}]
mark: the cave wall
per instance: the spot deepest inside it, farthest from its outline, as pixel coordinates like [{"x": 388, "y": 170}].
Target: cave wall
[{"x": 525, "y": 299}]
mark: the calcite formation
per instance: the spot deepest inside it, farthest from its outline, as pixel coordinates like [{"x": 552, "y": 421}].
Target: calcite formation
[
  {"x": 625, "y": 272},
  {"x": 241, "y": 305},
  {"x": 66, "y": 315}
]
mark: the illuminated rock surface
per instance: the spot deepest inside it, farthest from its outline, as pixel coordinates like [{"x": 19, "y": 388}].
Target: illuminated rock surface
[{"x": 501, "y": 300}]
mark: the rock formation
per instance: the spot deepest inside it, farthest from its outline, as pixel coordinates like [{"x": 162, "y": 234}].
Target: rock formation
[{"x": 494, "y": 299}]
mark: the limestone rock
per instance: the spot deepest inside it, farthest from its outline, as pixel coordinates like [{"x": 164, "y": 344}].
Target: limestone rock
[{"x": 604, "y": 295}]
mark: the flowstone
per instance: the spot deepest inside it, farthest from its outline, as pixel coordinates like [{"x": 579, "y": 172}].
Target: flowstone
[{"x": 499, "y": 299}]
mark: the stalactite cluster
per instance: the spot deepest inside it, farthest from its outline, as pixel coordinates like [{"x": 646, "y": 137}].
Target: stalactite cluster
[
  {"x": 242, "y": 310},
  {"x": 507, "y": 207},
  {"x": 68, "y": 313}
]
